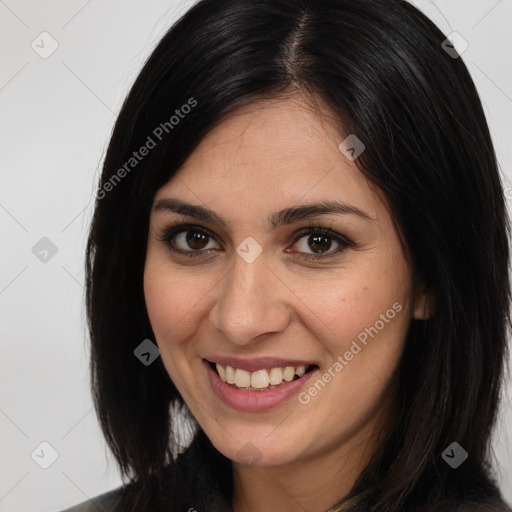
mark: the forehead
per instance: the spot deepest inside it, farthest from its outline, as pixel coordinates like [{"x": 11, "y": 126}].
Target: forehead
[
  {"x": 268, "y": 131},
  {"x": 275, "y": 152}
]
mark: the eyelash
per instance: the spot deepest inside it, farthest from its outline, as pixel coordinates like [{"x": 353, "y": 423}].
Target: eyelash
[{"x": 173, "y": 229}]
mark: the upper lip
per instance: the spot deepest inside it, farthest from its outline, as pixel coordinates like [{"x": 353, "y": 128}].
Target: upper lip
[{"x": 259, "y": 363}]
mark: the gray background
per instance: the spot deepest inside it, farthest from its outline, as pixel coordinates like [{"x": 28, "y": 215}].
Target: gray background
[{"x": 55, "y": 119}]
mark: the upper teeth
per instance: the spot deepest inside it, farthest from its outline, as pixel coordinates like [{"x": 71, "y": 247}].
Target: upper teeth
[{"x": 260, "y": 378}]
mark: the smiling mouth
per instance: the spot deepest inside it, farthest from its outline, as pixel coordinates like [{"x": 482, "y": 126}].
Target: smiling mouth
[{"x": 265, "y": 379}]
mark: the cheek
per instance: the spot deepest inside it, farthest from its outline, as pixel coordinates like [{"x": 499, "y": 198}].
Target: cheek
[
  {"x": 339, "y": 309},
  {"x": 172, "y": 301},
  {"x": 360, "y": 320},
  {"x": 160, "y": 301},
  {"x": 364, "y": 348},
  {"x": 173, "y": 305}
]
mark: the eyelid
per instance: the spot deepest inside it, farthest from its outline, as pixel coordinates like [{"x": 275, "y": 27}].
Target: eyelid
[
  {"x": 342, "y": 241},
  {"x": 174, "y": 228},
  {"x": 318, "y": 228}
]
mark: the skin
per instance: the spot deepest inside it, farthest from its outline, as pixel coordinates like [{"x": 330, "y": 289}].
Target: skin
[{"x": 265, "y": 157}]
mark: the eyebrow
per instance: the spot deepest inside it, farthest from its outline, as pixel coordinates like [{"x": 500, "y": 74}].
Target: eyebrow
[{"x": 279, "y": 218}]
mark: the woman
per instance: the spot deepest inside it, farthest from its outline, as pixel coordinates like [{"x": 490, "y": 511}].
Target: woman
[{"x": 300, "y": 207}]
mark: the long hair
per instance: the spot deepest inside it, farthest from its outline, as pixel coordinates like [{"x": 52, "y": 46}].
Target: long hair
[{"x": 381, "y": 68}]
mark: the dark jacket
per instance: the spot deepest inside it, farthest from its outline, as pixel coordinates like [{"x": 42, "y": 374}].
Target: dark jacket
[
  {"x": 204, "y": 493},
  {"x": 100, "y": 503}
]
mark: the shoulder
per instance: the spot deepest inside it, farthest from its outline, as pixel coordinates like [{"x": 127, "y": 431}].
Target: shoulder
[
  {"x": 101, "y": 502},
  {"x": 195, "y": 481},
  {"x": 475, "y": 505},
  {"x": 494, "y": 506},
  {"x": 478, "y": 507},
  {"x": 474, "y": 490}
]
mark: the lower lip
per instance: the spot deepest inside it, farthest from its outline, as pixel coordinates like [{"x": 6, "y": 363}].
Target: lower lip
[{"x": 253, "y": 401}]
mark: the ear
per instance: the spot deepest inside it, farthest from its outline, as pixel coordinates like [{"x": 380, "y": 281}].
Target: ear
[{"x": 424, "y": 303}]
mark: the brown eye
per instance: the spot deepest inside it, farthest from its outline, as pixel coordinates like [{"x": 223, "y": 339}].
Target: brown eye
[
  {"x": 188, "y": 240},
  {"x": 196, "y": 239},
  {"x": 318, "y": 242},
  {"x": 313, "y": 243}
]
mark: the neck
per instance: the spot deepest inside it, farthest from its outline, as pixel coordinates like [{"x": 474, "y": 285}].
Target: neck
[{"x": 313, "y": 483}]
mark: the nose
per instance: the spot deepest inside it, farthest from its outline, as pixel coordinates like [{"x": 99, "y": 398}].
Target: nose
[{"x": 250, "y": 302}]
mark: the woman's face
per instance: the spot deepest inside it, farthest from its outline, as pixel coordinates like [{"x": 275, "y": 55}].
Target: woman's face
[{"x": 251, "y": 283}]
